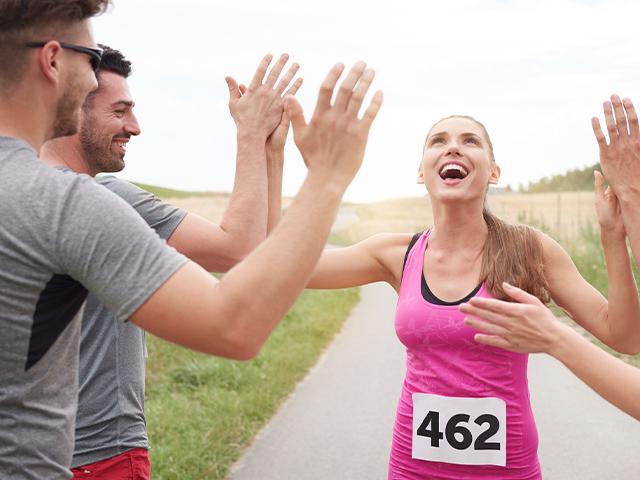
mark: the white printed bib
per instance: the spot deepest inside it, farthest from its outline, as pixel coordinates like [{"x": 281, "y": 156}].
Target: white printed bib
[{"x": 464, "y": 431}]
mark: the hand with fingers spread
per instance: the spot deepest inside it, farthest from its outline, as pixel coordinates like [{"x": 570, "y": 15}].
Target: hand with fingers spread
[
  {"x": 530, "y": 327},
  {"x": 525, "y": 327},
  {"x": 333, "y": 143},
  {"x": 608, "y": 208},
  {"x": 620, "y": 158},
  {"x": 620, "y": 161},
  {"x": 258, "y": 108}
]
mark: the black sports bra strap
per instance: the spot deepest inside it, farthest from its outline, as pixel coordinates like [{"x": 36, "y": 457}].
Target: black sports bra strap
[{"x": 413, "y": 241}]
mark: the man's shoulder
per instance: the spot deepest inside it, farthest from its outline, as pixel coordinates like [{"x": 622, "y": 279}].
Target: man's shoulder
[
  {"x": 159, "y": 215},
  {"x": 114, "y": 183},
  {"x": 35, "y": 184},
  {"x": 128, "y": 191}
]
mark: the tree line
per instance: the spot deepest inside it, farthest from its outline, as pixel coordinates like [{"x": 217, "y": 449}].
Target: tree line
[{"x": 571, "y": 181}]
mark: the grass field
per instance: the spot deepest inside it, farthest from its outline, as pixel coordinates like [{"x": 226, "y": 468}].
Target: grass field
[{"x": 165, "y": 192}]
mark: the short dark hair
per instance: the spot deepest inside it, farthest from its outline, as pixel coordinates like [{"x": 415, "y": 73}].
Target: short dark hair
[
  {"x": 22, "y": 20},
  {"x": 114, "y": 61}
]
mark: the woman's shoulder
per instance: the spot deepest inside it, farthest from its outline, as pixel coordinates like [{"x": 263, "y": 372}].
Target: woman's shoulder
[{"x": 391, "y": 240}]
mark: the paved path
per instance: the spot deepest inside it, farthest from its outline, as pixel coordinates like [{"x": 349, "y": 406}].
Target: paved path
[
  {"x": 344, "y": 219},
  {"x": 339, "y": 419}
]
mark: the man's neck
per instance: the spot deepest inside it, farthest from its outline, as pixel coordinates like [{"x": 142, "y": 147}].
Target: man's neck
[
  {"x": 24, "y": 120},
  {"x": 66, "y": 152}
]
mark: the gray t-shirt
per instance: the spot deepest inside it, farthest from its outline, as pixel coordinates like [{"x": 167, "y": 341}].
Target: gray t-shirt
[
  {"x": 110, "y": 418},
  {"x": 61, "y": 234}
]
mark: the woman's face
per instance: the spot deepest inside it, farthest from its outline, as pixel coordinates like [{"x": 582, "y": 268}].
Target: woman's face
[{"x": 457, "y": 162}]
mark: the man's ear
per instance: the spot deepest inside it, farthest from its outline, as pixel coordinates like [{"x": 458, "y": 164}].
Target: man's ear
[
  {"x": 420, "y": 176},
  {"x": 49, "y": 60},
  {"x": 495, "y": 174}
]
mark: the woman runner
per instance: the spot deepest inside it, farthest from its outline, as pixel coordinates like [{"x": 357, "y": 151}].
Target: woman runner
[{"x": 464, "y": 410}]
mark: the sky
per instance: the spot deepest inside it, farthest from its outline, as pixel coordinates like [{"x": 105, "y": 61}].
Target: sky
[{"x": 534, "y": 72}]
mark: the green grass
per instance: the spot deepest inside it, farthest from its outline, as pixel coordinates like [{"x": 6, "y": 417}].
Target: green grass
[
  {"x": 164, "y": 192},
  {"x": 202, "y": 411}
]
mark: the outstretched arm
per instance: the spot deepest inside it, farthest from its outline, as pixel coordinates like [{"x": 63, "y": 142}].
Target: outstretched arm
[
  {"x": 530, "y": 327},
  {"x": 620, "y": 161},
  {"x": 234, "y": 317},
  {"x": 623, "y": 308},
  {"x": 615, "y": 322},
  {"x": 376, "y": 259},
  {"x": 257, "y": 112}
]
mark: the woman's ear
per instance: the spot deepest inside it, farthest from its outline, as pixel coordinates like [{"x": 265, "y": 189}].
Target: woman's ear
[
  {"x": 495, "y": 174},
  {"x": 420, "y": 176}
]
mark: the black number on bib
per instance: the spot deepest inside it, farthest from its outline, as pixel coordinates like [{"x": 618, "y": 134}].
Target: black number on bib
[
  {"x": 433, "y": 419},
  {"x": 430, "y": 428},
  {"x": 481, "y": 441},
  {"x": 453, "y": 428}
]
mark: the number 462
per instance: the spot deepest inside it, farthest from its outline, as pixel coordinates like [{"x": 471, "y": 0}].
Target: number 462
[{"x": 430, "y": 428}]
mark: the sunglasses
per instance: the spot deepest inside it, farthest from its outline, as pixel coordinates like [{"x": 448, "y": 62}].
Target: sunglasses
[{"x": 95, "y": 54}]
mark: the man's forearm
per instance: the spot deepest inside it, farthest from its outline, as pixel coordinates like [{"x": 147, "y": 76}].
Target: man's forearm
[
  {"x": 623, "y": 310},
  {"x": 292, "y": 250},
  {"x": 275, "y": 165},
  {"x": 629, "y": 204},
  {"x": 244, "y": 219}
]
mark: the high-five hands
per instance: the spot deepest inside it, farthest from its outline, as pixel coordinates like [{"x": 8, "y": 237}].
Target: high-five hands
[
  {"x": 620, "y": 158},
  {"x": 258, "y": 108},
  {"x": 333, "y": 143}
]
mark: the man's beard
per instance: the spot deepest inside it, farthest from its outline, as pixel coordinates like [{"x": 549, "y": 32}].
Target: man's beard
[
  {"x": 97, "y": 148},
  {"x": 67, "y": 114}
]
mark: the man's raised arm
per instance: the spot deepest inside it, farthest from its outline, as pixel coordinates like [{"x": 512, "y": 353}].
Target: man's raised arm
[
  {"x": 257, "y": 112},
  {"x": 234, "y": 317}
]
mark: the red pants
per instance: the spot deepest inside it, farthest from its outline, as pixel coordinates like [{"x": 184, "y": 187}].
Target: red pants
[{"x": 131, "y": 465}]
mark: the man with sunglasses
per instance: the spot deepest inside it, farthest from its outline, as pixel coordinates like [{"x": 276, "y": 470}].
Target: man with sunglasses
[
  {"x": 111, "y": 436},
  {"x": 95, "y": 54},
  {"x": 62, "y": 234}
]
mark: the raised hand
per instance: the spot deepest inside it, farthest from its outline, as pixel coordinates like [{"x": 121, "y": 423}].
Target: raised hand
[
  {"x": 607, "y": 208},
  {"x": 333, "y": 143},
  {"x": 257, "y": 109},
  {"x": 620, "y": 158},
  {"x": 278, "y": 138},
  {"x": 527, "y": 326}
]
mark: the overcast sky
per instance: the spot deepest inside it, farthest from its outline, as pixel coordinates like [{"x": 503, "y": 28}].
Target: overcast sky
[{"x": 534, "y": 72}]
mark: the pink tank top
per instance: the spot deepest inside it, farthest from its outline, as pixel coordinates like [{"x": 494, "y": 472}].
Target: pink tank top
[{"x": 471, "y": 400}]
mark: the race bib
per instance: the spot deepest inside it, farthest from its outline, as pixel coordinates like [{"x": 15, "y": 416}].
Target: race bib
[{"x": 464, "y": 431}]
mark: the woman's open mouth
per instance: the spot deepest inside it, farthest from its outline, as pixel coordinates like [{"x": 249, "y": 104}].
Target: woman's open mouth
[{"x": 453, "y": 173}]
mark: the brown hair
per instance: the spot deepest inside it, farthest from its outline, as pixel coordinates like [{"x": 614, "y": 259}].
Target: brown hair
[
  {"x": 33, "y": 20},
  {"x": 512, "y": 253}
]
